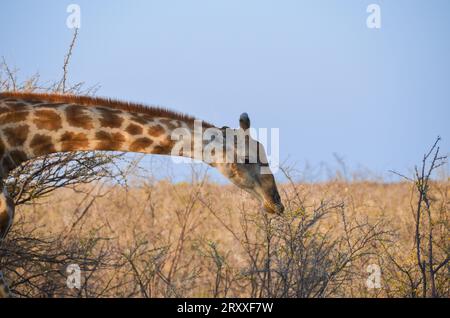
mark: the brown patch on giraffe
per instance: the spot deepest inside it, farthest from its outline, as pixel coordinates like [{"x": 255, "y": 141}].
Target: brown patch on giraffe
[
  {"x": 16, "y": 136},
  {"x": 77, "y": 117},
  {"x": 42, "y": 145},
  {"x": 109, "y": 141},
  {"x": 109, "y": 118},
  {"x": 140, "y": 144},
  {"x": 139, "y": 119},
  {"x": 133, "y": 129},
  {"x": 164, "y": 146},
  {"x": 156, "y": 131},
  {"x": 13, "y": 117},
  {"x": 71, "y": 141},
  {"x": 47, "y": 119}
]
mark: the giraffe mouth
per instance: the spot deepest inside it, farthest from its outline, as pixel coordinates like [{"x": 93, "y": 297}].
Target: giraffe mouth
[
  {"x": 269, "y": 205},
  {"x": 273, "y": 208}
]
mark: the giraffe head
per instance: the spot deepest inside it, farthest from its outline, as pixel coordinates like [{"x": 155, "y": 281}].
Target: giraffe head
[{"x": 250, "y": 169}]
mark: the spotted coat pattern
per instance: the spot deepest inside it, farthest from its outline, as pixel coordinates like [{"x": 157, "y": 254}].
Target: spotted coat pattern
[{"x": 31, "y": 129}]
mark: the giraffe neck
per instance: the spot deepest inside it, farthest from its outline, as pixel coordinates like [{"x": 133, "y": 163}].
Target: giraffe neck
[{"x": 34, "y": 127}]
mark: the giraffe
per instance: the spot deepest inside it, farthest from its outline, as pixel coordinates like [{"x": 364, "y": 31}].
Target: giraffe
[{"x": 33, "y": 124}]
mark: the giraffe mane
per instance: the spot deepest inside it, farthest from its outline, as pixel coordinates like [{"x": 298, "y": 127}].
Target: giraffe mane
[{"x": 140, "y": 108}]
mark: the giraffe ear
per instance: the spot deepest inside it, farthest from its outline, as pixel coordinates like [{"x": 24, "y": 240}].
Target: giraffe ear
[{"x": 244, "y": 121}]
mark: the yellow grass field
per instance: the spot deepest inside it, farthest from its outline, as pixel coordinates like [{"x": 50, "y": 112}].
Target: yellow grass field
[{"x": 202, "y": 239}]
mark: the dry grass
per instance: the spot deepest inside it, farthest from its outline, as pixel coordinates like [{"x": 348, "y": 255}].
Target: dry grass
[{"x": 201, "y": 239}]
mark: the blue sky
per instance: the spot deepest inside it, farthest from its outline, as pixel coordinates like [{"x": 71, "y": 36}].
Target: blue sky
[{"x": 377, "y": 97}]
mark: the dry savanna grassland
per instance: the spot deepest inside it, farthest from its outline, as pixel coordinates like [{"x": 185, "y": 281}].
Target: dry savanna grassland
[{"x": 133, "y": 235}]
